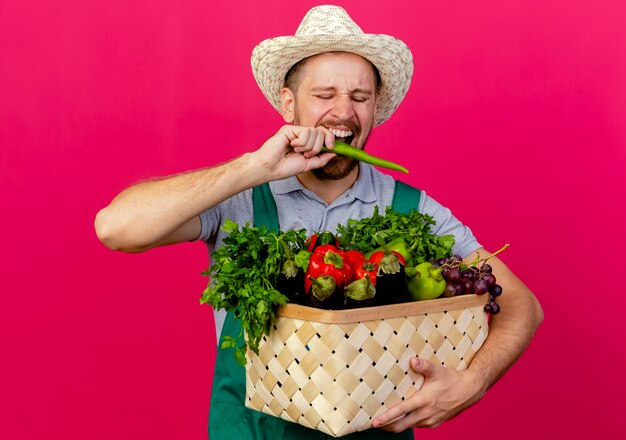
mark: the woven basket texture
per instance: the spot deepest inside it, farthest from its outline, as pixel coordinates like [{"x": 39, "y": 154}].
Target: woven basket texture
[{"x": 335, "y": 371}]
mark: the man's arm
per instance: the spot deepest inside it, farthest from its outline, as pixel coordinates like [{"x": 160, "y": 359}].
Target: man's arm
[
  {"x": 447, "y": 392},
  {"x": 165, "y": 211}
]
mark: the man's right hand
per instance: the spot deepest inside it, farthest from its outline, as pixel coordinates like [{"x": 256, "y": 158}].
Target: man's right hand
[{"x": 294, "y": 150}]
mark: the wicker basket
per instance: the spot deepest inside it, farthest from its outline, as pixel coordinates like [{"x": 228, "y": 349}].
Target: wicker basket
[{"x": 335, "y": 371}]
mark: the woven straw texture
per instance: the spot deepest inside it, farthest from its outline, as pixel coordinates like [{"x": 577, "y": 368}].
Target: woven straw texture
[
  {"x": 329, "y": 28},
  {"x": 336, "y": 376}
]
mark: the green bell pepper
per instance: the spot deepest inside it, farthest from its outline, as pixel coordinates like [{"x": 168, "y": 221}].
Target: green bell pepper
[{"x": 425, "y": 282}]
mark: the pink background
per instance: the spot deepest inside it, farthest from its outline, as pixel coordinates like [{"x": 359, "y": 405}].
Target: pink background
[{"x": 516, "y": 119}]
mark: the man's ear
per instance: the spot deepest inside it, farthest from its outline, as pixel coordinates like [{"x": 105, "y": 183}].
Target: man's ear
[{"x": 287, "y": 105}]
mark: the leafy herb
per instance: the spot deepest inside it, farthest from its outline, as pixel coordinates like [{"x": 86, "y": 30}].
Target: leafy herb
[
  {"x": 245, "y": 269},
  {"x": 243, "y": 279},
  {"x": 414, "y": 228}
]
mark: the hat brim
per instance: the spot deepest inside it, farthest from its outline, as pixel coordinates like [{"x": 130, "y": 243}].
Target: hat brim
[{"x": 272, "y": 59}]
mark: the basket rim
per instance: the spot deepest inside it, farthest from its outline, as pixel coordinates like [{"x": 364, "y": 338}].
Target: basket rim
[{"x": 411, "y": 308}]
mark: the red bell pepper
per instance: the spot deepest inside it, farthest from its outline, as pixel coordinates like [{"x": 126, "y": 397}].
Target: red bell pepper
[
  {"x": 328, "y": 261},
  {"x": 360, "y": 292},
  {"x": 361, "y": 267},
  {"x": 378, "y": 255}
]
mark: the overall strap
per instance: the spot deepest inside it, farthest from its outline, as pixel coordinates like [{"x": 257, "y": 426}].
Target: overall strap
[
  {"x": 229, "y": 418},
  {"x": 405, "y": 198},
  {"x": 264, "y": 208}
]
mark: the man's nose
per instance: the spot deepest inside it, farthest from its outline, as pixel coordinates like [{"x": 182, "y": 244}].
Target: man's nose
[{"x": 343, "y": 108}]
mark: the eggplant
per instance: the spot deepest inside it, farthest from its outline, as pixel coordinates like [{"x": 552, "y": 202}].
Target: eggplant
[
  {"x": 360, "y": 293},
  {"x": 324, "y": 294},
  {"x": 391, "y": 284}
]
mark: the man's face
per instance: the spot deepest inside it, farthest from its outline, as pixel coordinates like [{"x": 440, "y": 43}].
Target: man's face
[{"x": 337, "y": 90}]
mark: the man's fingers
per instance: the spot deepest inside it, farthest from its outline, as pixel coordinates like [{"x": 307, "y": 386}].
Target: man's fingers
[
  {"x": 422, "y": 366},
  {"x": 321, "y": 139},
  {"x": 409, "y": 414},
  {"x": 442, "y": 395},
  {"x": 298, "y": 136},
  {"x": 309, "y": 140},
  {"x": 316, "y": 142},
  {"x": 329, "y": 139},
  {"x": 304, "y": 137},
  {"x": 394, "y": 414},
  {"x": 301, "y": 150}
]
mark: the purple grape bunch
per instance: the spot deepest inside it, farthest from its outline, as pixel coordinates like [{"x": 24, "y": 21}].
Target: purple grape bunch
[{"x": 467, "y": 279}]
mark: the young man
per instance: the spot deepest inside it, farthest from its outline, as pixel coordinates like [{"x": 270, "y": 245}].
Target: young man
[{"x": 328, "y": 81}]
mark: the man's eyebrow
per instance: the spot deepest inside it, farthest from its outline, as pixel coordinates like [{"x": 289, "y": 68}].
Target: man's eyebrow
[
  {"x": 364, "y": 91},
  {"x": 332, "y": 89},
  {"x": 323, "y": 89}
]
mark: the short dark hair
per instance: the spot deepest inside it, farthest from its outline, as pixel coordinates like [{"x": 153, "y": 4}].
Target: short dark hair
[{"x": 294, "y": 77}]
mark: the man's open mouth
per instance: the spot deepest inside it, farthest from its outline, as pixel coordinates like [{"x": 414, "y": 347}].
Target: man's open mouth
[{"x": 345, "y": 136}]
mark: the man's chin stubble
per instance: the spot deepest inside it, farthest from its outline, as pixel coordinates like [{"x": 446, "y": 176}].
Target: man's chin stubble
[{"x": 337, "y": 169}]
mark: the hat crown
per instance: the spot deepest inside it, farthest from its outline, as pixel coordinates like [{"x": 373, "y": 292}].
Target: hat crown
[
  {"x": 330, "y": 29},
  {"x": 327, "y": 20}
]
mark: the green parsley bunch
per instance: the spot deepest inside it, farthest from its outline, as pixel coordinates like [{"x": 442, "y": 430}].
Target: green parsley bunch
[
  {"x": 414, "y": 227},
  {"x": 243, "y": 276}
]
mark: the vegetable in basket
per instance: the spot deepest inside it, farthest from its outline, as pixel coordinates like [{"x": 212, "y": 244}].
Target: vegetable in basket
[
  {"x": 254, "y": 265},
  {"x": 397, "y": 245},
  {"x": 244, "y": 274},
  {"x": 362, "y": 290},
  {"x": 361, "y": 265},
  {"x": 425, "y": 282},
  {"x": 326, "y": 277},
  {"x": 290, "y": 280},
  {"x": 324, "y": 237},
  {"x": 414, "y": 227},
  {"x": 360, "y": 293},
  {"x": 391, "y": 285}
]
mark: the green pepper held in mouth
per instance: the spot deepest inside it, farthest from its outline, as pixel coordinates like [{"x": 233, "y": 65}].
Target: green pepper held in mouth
[
  {"x": 343, "y": 149},
  {"x": 425, "y": 282}
]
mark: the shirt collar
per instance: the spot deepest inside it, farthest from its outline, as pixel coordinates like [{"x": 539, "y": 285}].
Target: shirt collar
[{"x": 363, "y": 188}]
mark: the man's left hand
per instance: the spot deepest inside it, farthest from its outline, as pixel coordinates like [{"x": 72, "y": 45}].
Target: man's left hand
[{"x": 444, "y": 394}]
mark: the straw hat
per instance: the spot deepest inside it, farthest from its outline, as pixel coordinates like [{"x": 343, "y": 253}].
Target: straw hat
[{"x": 330, "y": 29}]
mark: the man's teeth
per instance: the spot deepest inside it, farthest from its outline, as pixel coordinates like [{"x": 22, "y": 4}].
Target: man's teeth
[{"x": 341, "y": 133}]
